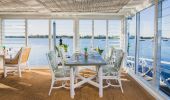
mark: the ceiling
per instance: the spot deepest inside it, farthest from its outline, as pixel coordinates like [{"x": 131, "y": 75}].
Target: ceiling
[{"x": 72, "y": 7}]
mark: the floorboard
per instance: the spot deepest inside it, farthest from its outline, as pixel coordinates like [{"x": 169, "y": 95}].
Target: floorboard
[{"x": 34, "y": 85}]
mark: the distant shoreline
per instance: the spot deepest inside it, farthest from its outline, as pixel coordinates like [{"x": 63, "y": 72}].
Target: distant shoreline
[
  {"x": 84, "y": 37},
  {"x": 46, "y": 36}
]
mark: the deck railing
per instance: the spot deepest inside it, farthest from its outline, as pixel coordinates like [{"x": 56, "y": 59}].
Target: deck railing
[{"x": 145, "y": 69}]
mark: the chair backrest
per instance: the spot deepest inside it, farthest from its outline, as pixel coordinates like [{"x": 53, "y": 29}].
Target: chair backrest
[
  {"x": 118, "y": 59},
  {"x": 16, "y": 59},
  {"x": 25, "y": 54},
  {"x": 60, "y": 52},
  {"x": 52, "y": 59},
  {"x": 111, "y": 51},
  {"x": 57, "y": 49}
]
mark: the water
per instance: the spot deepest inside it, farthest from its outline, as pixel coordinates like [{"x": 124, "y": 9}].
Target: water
[
  {"x": 146, "y": 49},
  {"x": 40, "y": 47}
]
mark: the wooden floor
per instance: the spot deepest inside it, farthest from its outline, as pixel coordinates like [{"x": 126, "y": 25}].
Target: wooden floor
[{"x": 34, "y": 85}]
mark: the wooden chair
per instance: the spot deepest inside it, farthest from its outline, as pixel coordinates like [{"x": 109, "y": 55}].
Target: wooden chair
[
  {"x": 17, "y": 63},
  {"x": 24, "y": 58}
]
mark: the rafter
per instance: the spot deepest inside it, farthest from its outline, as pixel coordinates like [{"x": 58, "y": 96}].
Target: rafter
[{"x": 77, "y": 6}]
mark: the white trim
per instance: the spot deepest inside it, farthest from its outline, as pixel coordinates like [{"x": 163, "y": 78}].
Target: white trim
[
  {"x": 26, "y": 32},
  {"x": 92, "y": 34},
  {"x": 38, "y": 16},
  {"x": 76, "y": 35},
  {"x": 107, "y": 32},
  {"x": 50, "y": 34}
]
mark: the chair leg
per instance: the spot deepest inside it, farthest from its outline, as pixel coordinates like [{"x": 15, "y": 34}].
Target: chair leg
[
  {"x": 120, "y": 83},
  {"x": 19, "y": 71},
  {"x": 5, "y": 72},
  {"x": 27, "y": 64},
  {"x": 52, "y": 84}
]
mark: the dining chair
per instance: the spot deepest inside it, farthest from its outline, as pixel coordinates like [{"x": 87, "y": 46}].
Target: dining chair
[
  {"x": 58, "y": 74},
  {"x": 11, "y": 65},
  {"x": 109, "y": 54},
  {"x": 112, "y": 71},
  {"x": 24, "y": 58},
  {"x": 18, "y": 63}
]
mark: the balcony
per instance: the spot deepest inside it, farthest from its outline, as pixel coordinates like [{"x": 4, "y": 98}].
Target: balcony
[{"x": 139, "y": 28}]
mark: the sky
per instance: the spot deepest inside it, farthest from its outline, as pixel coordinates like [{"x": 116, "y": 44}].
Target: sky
[
  {"x": 65, "y": 27},
  {"x": 147, "y": 21}
]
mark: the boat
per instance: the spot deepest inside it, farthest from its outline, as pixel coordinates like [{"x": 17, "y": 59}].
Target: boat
[{"x": 165, "y": 39}]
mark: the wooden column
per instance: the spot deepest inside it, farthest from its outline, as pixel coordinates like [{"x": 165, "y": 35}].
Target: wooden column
[
  {"x": 157, "y": 43},
  {"x": 49, "y": 35},
  {"x": 124, "y": 39},
  {"x": 122, "y": 34},
  {"x": 107, "y": 32},
  {"x": 76, "y": 35},
  {"x": 26, "y": 33},
  {"x": 137, "y": 42},
  {"x": 92, "y": 40},
  {"x": 54, "y": 35}
]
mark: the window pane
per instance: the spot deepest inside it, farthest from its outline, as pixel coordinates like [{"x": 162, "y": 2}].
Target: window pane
[
  {"x": 85, "y": 31},
  {"x": 165, "y": 48},
  {"x": 131, "y": 43},
  {"x": 64, "y": 30},
  {"x": 146, "y": 43},
  {"x": 114, "y": 31},
  {"x": 100, "y": 34},
  {"x": 38, "y": 31},
  {"x": 14, "y": 32}
]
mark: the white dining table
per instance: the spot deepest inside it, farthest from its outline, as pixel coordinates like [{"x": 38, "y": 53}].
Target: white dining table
[{"x": 78, "y": 60}]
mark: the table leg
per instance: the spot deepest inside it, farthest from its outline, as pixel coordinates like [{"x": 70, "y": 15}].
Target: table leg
[
  {"x": 100, "y": 81},
  {"x": 72, "y": 93}
]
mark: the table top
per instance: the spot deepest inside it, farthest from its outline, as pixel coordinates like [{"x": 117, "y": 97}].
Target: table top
[{"x": 81, "y": 60}]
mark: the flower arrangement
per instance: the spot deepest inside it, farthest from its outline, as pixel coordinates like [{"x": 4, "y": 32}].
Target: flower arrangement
[
  {"x": 85, "y": 52},
  {"x": 85, "y": 49},
  {"x": 100, "y": 51},
  {"x": 65, "y": 46}
]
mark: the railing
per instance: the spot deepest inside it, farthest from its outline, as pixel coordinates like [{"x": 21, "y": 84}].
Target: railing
[
  {"x": 145, "y": 69},
  {"x": 130, "y": 59}
]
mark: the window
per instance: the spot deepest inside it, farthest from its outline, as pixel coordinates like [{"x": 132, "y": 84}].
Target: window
[
  {"x": 38, "y": 31},
  {"x": 100, "y": 34},
  {"x": 131, "y": 26},
  {"x": 114, "y": 31},
  {"x": 85, "y": 31},
  {"x": 14, "y": 32},
  {"x": 146, "y": 43},
  {"x": 165, "y": 48},
  {"x": 64, "y": 30}
]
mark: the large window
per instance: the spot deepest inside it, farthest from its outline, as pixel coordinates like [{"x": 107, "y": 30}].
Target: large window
[
  {"x": 165, "y": 48},
  {"x": 64, "y": 30},
  {"x": 85, "y": 31},
  {"x": 14, "y": 32},
  {"x": 114, "y": 31},
  {"x": 146, "y": 43},
  {"x": 100, "y": 34},
  {"x": 38, "y": 31},
  {"x": 131, "y": 31}
]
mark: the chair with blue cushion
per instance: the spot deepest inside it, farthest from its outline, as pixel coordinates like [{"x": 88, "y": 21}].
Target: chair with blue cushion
[
  {"x": 59, "y": 74},
  {"x": 112, "y": 71}
]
